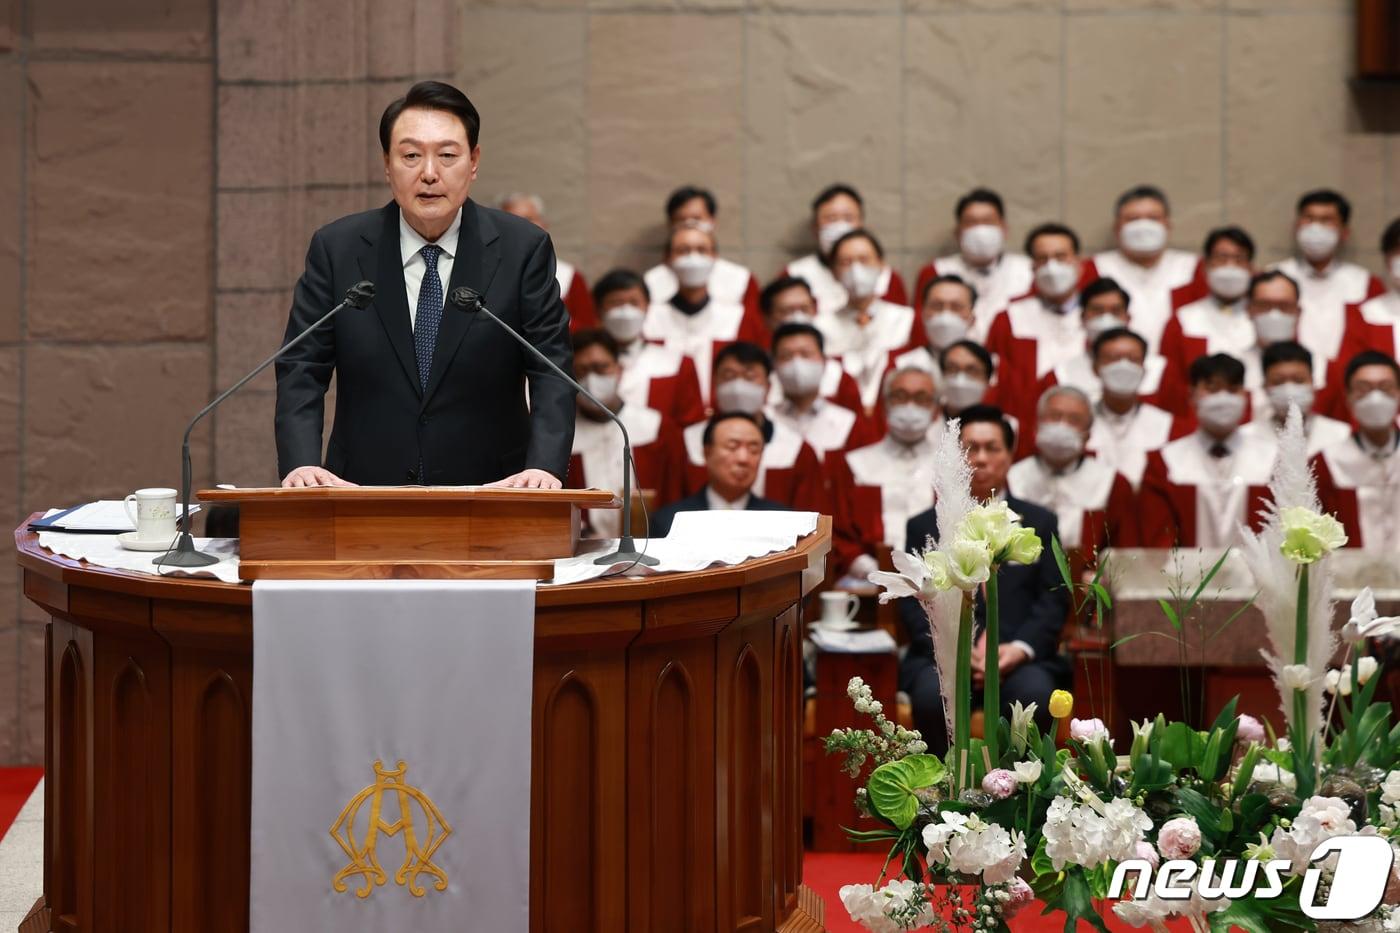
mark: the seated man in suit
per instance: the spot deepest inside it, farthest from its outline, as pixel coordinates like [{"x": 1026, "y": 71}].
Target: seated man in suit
[
  {"x": 733, "y": 451},
  {"x": 1034, "y": 603}
]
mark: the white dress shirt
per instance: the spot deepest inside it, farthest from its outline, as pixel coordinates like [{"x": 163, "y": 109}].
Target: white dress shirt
[
  {"x": 718, "y": 503},
  {"x": 411, "y": 243}
]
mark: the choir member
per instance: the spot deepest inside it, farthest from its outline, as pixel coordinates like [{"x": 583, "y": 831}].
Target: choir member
[
  {"x": 653, "y": 375},
  {"x": 799, "y": 364},
  {"x": 981, "y": 260},
  {"x": 946, "y": 304},
  {"x": 967, "y": 370},
  {"x": 1358, "y": 479},
  {"x": 1104, "y": 306},
  {"x": 838, "y": 210},
  {"x": 573, "y": 288},
  {"x": 1126, "y": 426},
  {"x": 788, "y": 299},
  {"x": 1288, "y": 380},
  {"x": 1372, "y": 325},
  {"x": 597, "y": 458},
  {"x": 1142, "y": 262},
  {"x": 729, "y": 282},
  {"x": 1219, "y": 321}
]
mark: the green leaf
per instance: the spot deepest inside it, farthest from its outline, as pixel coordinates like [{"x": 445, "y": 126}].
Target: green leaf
[
  {"x": 1206, "y": 814},
  {"x": 1102, "y": 594},
  {"x": 892, "y": 787},
  {"x": 1170, "y": 613},
  {"x": 1246, "y": 772},
  {"x": 1205, "y": 581},
  {"x": 1182, "y": 746},
  {"x": 1061, "y": 562},
  {"x": 1078, "y": 904},
  {"x": 1227, "y": 713}
]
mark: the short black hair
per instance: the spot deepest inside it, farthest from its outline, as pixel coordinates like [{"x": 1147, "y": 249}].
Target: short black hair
[
  {"x": 860, "y": 233},
  {"x": 1369, "y": 358},
  {"x": 432, "y": 95},
  {"x": 1117, "y": 333},
  {"x": 1270, "y": 275},
  {"x": 1328, "y": 198},
  {"x": 687, "y": 193},
  {"x": 1138, "y": 192},
  {"x": 832, "y": 191},
  {"x": 719, "y": 418},
  {"x": 980, "y": 196},
  {"x": 1103, "y": 286},
  {"x": 1235, "y": 235},
  {"x": 1285, "y": 351},
  {"x": 949, "y": 279},
  {"x": 988, "y": 414},
  {"x": 1209, "y": 366},
  {"x": 615, "y": 281},
  {"x": 973, "y": 347},
  {"x": 1051, "y": 229},
  {"x": 746, "y": 353},
  {"x": 1390, "y": 239},
  {"x": 776, "y": 287},
  {"x": 785, "y": 331},
  {"x": 596, "y": 337}
]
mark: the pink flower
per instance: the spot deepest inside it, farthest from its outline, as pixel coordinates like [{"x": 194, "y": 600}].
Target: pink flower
[
  {"x": 1179, "y": 839},
  {"x": 999, "y": 783},
  {"x": 1088, "y": 730},
  {"x": 1021, "y": 896},
  {"x": 1147, "y": 853},
  {"x": 1249, "y": 730}
]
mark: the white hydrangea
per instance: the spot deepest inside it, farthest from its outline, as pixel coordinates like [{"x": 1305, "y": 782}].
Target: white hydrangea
[
  {"x": 1153, "y": 911},
  {"x": 1320, "y": 818},
  {"x": 1081, "y": 835},
  {"x": 1390, "y": 788},
  {"x": 969, "y": 846},
  {"x": 1266, "y": 772},
  {"x": 877, "y": 910}
]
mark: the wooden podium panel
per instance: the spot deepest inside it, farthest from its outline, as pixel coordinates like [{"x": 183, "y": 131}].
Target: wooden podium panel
[{"x": 666, "y": 742}]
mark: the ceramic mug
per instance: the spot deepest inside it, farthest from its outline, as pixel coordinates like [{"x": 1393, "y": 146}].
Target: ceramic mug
[
  {"x": 152, "y": 511},
  {"x": 839, "y": 609}
]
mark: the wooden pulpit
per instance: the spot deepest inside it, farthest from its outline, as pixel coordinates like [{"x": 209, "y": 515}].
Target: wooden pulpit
[{"x": 666, "y": 725}]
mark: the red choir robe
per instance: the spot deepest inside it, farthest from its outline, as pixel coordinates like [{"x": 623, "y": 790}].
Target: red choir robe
[
  {"x": 656, "y": 377},
  {"x": 1122, "y": 442},
  {"x": 701, "y": 335},
  {"x": 596, "y": 461},
  {"x": 1363, "y": 492},
  {"x": 1150, "y": 289},
  {"x": 729, "y": 283},
  {"x": 1094, "y": 503},
  {"x": 1191, "y": 499},
  {"x": 573, "y": 289},
  {"x": 790, "y": 472},
  {"x": 831, "y": 295},
  {"x": 826, "y": 427},
  {"x": 1374, "y": 324},
  {"x": 1005, "y": 280},
  {"x": 1029, "y": 339},
  {"x": 1078, "y": 372},
  {"x": 865, "y": 352},
  {"x": 889, "y": 483},
  {"x": 837, "y": 386},
  {"x": 1323, "y": 300}
]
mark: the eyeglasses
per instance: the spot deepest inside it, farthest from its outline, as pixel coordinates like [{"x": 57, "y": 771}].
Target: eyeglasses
[{"x": 900, "y": 397}]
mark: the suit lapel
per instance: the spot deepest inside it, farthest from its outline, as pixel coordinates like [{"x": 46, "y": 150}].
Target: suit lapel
[
  {"x": 382, "y": 264},
  {"x": 478, "y": 255}
]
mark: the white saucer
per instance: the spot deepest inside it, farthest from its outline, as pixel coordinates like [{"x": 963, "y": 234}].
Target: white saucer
[
  {"x": 840, "y": 625},
  {"x": 133, "y": 543}
]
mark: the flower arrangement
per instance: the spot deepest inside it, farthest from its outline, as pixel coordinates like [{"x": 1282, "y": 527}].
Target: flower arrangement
[{"x": 1015, "y": 817}]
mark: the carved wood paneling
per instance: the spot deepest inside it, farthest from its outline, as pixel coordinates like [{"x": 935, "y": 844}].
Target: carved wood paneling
[
  {"x": 787, "y": 761},
  {"x": 69, "y": 821}
]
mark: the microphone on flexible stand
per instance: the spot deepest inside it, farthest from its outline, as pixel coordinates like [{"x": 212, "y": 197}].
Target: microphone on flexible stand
[
  {"x": 183, "y": 553},
  {"x": 469, "y": 300}
]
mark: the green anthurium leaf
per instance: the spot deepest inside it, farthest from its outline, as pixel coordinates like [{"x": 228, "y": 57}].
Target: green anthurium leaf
[{"x": 892, "y": 787}]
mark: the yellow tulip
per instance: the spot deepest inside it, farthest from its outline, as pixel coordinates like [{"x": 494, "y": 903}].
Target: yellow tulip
[{"x": 1061, "y": 704}]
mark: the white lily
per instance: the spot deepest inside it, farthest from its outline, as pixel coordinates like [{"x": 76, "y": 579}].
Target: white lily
[
  {"x": 1028, "y": 772},
  {"x": 1365, "y": 623},
  {"x": 1296, "y": 677},
  {"x": 1021, "y": 717}
]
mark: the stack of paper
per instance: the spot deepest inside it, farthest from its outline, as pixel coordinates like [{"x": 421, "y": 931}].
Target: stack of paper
[
  {"x": 871, "y": 641},
  {"x": 106, "y": 516}
]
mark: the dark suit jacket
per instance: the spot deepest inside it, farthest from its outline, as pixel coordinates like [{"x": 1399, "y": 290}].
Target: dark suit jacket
[
  {"x": 661, "y": 521},
  {"x": 472, "y": 424},
  {"x": 1033, "y": 599}
]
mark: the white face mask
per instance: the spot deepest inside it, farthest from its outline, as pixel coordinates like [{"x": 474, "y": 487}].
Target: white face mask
[
  {"x": 1228, "y": 283},
  {"x": 962, "y": 391},
  {"x": 693, "y": 269},
  {"x": 1395, "y": 272},
  {"x": 982, "y": 243},
  {"x": 624, "y": 322},
  {"x": 1290, "y": 393},
  {"x": 829, "y": 233},
  {"x": 1318, "y": 241},
  {"x": 860, "y": 280},
  {"x": 944, "y": 328},
  {"x": 908, "y": 423},
  {"x": 1375, "y": 410},
  {"x": 1143, "y": 236},
  {"x": 1101, "y": 323},
  {"x": 798, "y": 317},
  {"x": 1058, "y": 442},
  {"x": 1220, "y": 412},
  {"x": 604, "y": 388},
  {"x": 740, "y": 395},
  {"x": 1056, "y": 279},
  {"x": 1274, "y": 326},
  {"x": 801, "y": 376},
  {"x": 1122, "y": 377}
]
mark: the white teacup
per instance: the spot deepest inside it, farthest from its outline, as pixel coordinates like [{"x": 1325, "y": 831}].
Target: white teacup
[
  {"x": 152, "y": 511},
  {"x": 839, "y": 609}
]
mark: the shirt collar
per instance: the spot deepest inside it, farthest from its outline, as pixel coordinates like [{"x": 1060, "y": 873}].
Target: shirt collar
[
  {"x": 1104, "y": 413},
  {"x": 789, "y": 408},
  {"x": 1069, "y": 305},
  {"x": 1312, "y": 272},
  {"x": 921, "y": 450},
  {"x": 686, "y": 308},
  {"x": 718, "y": 503},
  {"x": 1377, "y": 452},
  {"x": 411, "y": 242},
  {"x": 1232, "y": 442}
]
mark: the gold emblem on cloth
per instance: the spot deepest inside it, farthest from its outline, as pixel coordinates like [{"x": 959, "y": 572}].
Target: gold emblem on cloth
[{"x": 418, "y": 852}]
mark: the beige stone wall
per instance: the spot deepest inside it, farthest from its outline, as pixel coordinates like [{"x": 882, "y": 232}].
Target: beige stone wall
[{"x": 1233, "y": 106}]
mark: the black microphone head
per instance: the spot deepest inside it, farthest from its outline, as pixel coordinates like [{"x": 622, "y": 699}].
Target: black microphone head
[
  {"x": 465, "y": 298},
  {"x": 360, "y": 294}
]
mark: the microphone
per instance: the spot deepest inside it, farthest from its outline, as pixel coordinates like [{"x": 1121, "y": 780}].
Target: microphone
[
  {"x": 182, "y": 552},
  {"x": 469, "y": 300}
]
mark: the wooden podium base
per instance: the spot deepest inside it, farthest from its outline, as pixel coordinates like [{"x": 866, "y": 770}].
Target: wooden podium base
[
  {"x": 37, "y": 920},
  {"x": 810, "y": 915}
]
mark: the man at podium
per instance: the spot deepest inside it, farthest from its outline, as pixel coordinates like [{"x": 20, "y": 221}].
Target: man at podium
[{"x": 428, "y": 393}]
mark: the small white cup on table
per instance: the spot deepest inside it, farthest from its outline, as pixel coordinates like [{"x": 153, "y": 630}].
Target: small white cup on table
[
  {"x": 839, "y": 611},
  {"x": 152, "y": 511}
]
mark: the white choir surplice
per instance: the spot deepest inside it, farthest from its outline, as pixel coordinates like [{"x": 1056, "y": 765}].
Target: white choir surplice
[
  {"x": 728, "y": 282},
  {"x": 1056, "y": 332},
  {"x": 904, "y": 475},
  {"x": 598, "y": 444},
  {"x": 1122, "y": 442},
  {"x": 695, "y": 335},
  {"x": 830, "y": 384},
  {"x": 1323, "y": 297},
  {"x": 1078, "y": 371},
  {"x": 564, "y": 273},
  {"x": 1226, "y": 328},
  {"x": 780, "y": 453},
  {"x": 1085, "y": 487},
  {"x": 1383, "y": 313},
  {"x": 1149, "y": 288},
  {"x": 830, "y": 294},
  {"x": 997, "y": 285},
  {"x": 1221, "y": 484},
  {"x": 865, "y": 351},
  {"x": 641, "y": 363},
  {"x": 1373, "y": 476},
  {"x": 826, "y": 426}
]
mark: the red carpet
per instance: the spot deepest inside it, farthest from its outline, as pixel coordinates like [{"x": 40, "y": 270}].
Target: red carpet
[
  {"x": 826, "y": 872},
  {"x": 16, "y": 784}
]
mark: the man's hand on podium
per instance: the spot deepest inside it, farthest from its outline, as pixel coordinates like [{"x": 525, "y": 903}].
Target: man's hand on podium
[
  {"x": 313, "y": 476},
  {"x": 529, "y": 479}
]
